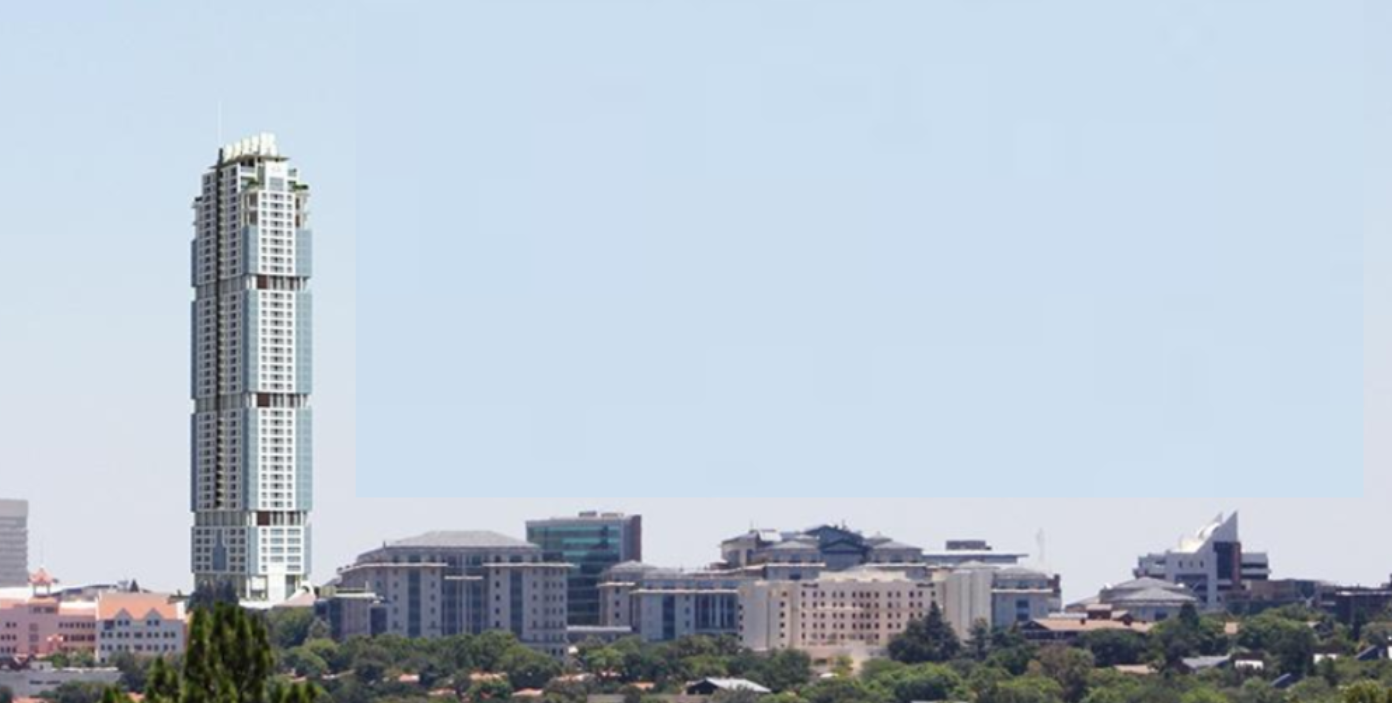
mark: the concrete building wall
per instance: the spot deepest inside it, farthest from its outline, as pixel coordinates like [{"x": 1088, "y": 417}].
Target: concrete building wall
[{"x": 14, "y": 543}]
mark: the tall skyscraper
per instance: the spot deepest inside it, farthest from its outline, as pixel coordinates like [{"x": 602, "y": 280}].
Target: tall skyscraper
[
  {"x": 251, "y": 447},
  {"x": 591, "y": 542},
  {"x": 14, "y": 543}
]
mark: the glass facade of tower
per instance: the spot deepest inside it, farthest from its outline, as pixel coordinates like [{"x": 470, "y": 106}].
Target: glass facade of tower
[
  {"x": 591, "y": 542},
  {"x": 252, "y": 450}
]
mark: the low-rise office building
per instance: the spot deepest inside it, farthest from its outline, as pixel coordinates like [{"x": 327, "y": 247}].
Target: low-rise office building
[
  {"x": 99, "y": 620},
  {"x": 660, "y": 605},
  {"x": 142, "y": 624},
  {"x": 36, "y": 678},
  {"x": 446, "y": 583},
  {"x": 38, "y": 623}
]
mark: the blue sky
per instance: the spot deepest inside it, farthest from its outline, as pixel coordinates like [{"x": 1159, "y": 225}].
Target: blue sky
[
  {"x": 815, "y": 248},
  {"x": 754, "y": 249}
]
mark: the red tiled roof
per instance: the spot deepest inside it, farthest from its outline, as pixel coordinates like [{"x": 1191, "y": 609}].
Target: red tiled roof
[{"x": 136, "y": 605}]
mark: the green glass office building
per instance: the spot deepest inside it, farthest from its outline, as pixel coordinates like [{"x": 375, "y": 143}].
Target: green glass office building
[{"x": 591, "y": 542}]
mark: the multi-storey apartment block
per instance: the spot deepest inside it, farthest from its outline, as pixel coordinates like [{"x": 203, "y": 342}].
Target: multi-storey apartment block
[
  {"x": 251, "y": 444},
  {"x": 446, "y": 583},
  {"x": 852, "y": 613}
]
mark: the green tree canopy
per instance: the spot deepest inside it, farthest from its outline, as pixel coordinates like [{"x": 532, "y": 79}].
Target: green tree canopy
[{"x": 927, "y": 639}]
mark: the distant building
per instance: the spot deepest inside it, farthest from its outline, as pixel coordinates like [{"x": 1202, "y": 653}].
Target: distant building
[
  {"x": 447, "y": 583},
  {"x": 1068, "y": 627},
  {"x": 14, "y": 543},
  {"x": 660, "y": 605},
  {"x": 1257, "y": 596},
  {"x": 665, "y": 604},
  {"x": 1020, "y": 594},
  {"x": 139, "y": 624},
  {"x": 1144, "y": 599},
  {"x": 38, "y": 677},
  {"x": 712, "y": 686},
  {"x": 43, "y": 624},
  {"x": 851, "y": 613},
  {"x": 793, "y": 555},
  {"x": 1356, "y": 605},
  {"x": 974, "y": 592},
  {"x": 1211, "y": 564},
  {"x": 962, "y": 551},
  {"x": 592, "y": 542}
]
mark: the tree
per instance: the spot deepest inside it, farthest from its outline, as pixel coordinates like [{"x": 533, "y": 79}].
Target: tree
[
  {"x": 1290, "y": 644},
  {"x": 1068, "y": 666},
  {"x": 1367, "y": 692},
  {"x": 1011, "y": 651},
  {"x": 979, "y": 640},
  {"x": 1112, "y": 647},
  {"x": 133, "y": 669},
  {"x": 303, "y": 661},
  {"x": 228, "y": 660},
  {"x": 928, "y": 639},
  {"x": 1187, "y": 635},
  {"x": 1024, "y": 689},
  {"x": 289, "y": 627},
  {"x": 161, "y": 683},
  {"x": 77, "y": 692},
  {"x": 6, "y": 695},
  {"x": 528, "y": 668},
  {"x": 600, "y": 659},
  {"x": 489, "y": 690},
  {"x": 737, "y": 696},
  {"x": 844, "y": 691},
  {"x": 1203, "y": 694},
  {"x": 783, "y": 669},
  {"x": 925, "y": 682}
]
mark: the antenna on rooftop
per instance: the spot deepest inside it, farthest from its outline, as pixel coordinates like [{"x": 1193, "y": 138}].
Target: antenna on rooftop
[{"x": 1043, "y": 552}]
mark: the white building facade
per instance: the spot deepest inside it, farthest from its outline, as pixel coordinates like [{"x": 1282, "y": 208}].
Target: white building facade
[
  {"x": 852, "y": 613},
  {"x": 1211, "y": 563},
  {"x": 141, "y": 624},
  {"x": 251, "y": 457}
]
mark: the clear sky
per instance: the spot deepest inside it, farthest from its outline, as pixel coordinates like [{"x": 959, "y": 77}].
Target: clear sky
[
  {"x": 814, "y": 248},
  {"x": 1013, "y": 248}
]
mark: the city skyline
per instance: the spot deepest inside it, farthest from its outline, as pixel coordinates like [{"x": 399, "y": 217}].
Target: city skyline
[
  {"x": 104, "y": 325},
  {"x": 1086, "y": 557}
]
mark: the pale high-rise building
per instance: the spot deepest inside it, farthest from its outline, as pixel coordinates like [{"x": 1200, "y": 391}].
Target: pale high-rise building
[
  {"x": 251, "y": 446},
  {"x": 14, "y": 543}
]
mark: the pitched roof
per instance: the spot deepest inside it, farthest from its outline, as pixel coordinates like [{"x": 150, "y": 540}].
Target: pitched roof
[
  {"x": 461, "y": 538},
  {"x": 725, "y": 684},
  {"x": 891, "y": 544},
  {"x": 1155, "y": 595},
  {"x": 1081, "y": 625},
  {"x": 1146, "y": 582},
  {"x": 136, "y": 605}
]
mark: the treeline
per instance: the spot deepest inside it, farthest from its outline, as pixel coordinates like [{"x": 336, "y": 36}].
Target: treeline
[{"x": 286, "y": 657}]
